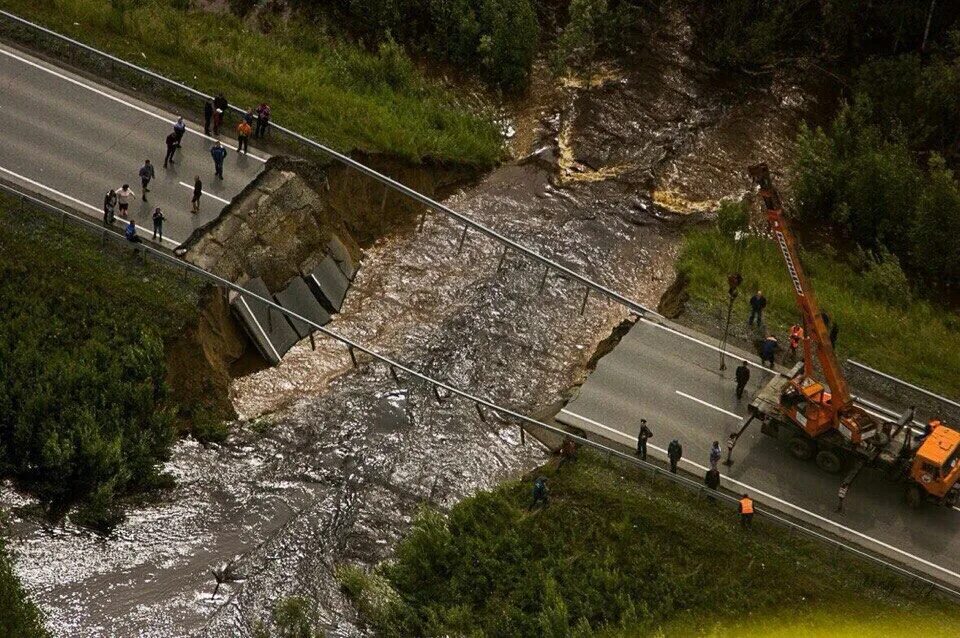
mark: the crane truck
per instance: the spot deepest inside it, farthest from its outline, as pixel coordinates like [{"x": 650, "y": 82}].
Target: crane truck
[{"x": 822, "y": 421}]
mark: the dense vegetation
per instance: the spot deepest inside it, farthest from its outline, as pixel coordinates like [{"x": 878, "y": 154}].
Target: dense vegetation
[
  {"x": 85, "y": 414},
  {"x": 333, "y": 91},
  {"x": 617, "y": 553},
  {"x": 882, "y": 323},
  {"x": 18, "y": 616}
]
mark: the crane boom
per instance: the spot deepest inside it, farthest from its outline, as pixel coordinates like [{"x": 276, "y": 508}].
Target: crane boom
[{"x": 816, "y": 335}]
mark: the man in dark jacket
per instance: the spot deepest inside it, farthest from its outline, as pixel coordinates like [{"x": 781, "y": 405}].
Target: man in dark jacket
[
  {"x": 757, "y": 303},
  {"x": 768, "y": 350},
  {"x": 539, "y": 492},
  {"x": 207, "y": 116},
  {"x": 146, "y": 174},
  {"x": 712, "y": 481},
  {"x": 642, "y": 437},
  {"x": 218, "y": 152},
  {"x": 743, "y": 377},
  {"x": 674, "y": 453},
  {"x": 173, "y": 143}
]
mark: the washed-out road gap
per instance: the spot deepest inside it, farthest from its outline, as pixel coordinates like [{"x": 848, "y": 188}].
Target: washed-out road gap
[{"x": 71, "y": 140}]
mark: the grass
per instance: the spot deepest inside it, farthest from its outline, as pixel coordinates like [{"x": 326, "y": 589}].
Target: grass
[
  {"x": 617, "y": 553},
  {"x": 19, "y": 618},
  {"x": 915, "y": 340},
  {"x": 332, "y": 91}
]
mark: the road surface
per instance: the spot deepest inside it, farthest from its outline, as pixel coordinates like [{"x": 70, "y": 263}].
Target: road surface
[
  {"x": 71, "y": 140},
  {"x": 674, "y": 382}
]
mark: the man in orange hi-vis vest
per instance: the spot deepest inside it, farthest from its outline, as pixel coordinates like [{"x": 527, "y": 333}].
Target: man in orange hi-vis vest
[{"x": 746, "y": 511}]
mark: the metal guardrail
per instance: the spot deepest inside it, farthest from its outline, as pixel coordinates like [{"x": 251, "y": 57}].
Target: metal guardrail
[
  {"x": 906, "y": 384},
  {"x": 393, "y": 366},
  {"x": 468, "y": 223}
]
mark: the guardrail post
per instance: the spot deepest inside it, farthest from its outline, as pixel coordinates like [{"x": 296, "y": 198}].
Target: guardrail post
[
  {"x": 583, "y": 306},
  {"x": 523, "y": 435},
  {"x": 436, "y": 393},
  {"x": 353, "y": 355},
  {"x": 270, "y": 319},
  {"x": 463, "y": 237},
  {"x": 483, "y": 417},
  {"x": 543, "y": 280},
  {"x": 423, "y": 218},
  {"x": 313, "y": 342},
  {"x": 502, "y": 259},
  {"x": 393, "y": 373}
]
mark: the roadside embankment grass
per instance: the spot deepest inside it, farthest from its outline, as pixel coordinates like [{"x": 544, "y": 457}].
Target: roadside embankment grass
[
  {"x": 618, "y": 553},
  {"x": 911, "y": 338},
  {"x": 86, "y": 413},
  {"x": 19, "y": 618},
  {"x": 330, "y": 90}
]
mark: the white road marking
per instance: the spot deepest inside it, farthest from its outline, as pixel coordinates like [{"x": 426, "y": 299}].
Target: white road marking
[
  {"x": 771, "y": 497},
  {"x": 210, "y": 195},
  {"x": 99, "y": 211},
  {"x": 709, "y": 405},
  {"x": 118, "y": 100}
]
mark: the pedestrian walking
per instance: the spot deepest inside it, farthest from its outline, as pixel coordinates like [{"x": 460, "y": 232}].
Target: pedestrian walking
[
  {"x": 712, "y": 481},
  {"x": 218, "y": 152},
  {"x": 123, "y": 199},
  {"x": 146, "y": 174},
  {"x": 130, "y": 232},
  {"x": 642, "y": 438},
  {"x": 263, "y": 119},
  {"x": 834, "y": 331},
  {"x": 539, "y": 493},
  {"x": 746, "y": 511},
  {"x": 173, "y": 143},
  {"x": 674, "y": 453},
  {"x": 743, "y": 377},
  {"x": 757, "y": 303},
  {"x": 158, "y": 224},
  {"x": 796, "y": 336},
  {"x": 207, "y": 116},
  {"x": 243, "y": 137},
  {"x": 197, "y": 192},
  {"x": 715, "y": 454},
  {"x": 109, "y": 206},
  {"x": 768, "y": 350}
]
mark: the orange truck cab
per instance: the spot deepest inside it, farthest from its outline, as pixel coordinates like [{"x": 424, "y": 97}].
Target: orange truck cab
[{"x": 936, "y": 467}]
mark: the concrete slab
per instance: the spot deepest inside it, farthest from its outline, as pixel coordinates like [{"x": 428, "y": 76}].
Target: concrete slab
[
  {"x": 341, "y": 255},
  {"x": 328, "y": 284},
  {"x": 268, "y": 329},
  {"x": 298, "y": 297}
]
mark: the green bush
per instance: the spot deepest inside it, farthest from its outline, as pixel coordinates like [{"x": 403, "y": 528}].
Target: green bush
[
  {"x": 935, "y": 250},
  {"x": 85, "y": 415},
  {"x": 19, "y": 618},
  {"x": 733, "y": 217}
]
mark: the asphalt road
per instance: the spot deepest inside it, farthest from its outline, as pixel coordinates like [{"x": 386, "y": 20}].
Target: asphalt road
[
  {"x": 675, "y": 383},
  {"x": 71, "y": 140}
]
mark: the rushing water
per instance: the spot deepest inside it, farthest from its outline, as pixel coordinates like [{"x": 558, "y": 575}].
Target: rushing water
[{"x": 329, "y": 464}]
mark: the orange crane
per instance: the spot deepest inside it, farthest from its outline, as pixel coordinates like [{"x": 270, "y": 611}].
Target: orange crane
[{"x": 823, "y": 422}]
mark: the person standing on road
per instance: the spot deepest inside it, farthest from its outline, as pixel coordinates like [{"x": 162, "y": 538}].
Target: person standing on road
[
  {"x": 158, "y": 224},
  {"x": 217, "y": 121},
  {"x": 243, "y": 137},
  {"x": 746, "y": 511},
  {"x": 249, "y": 117},
  {"x": 218, "y": 152},
  {"x": 757, "y": 303},
  {"x": 715, "y": 454},
  {"x": 130, "y": 232},
  {"x": 197, "y": 192},
  {"x": 743, "y": 377},
  {"x": 219, "y": 112},
  {"x": 207, "y": 116},
  {"x": 123, "y": 199},
  {"x": 642, "y": 437},
  {"x": 674, "y": 453},
  {"x": 173, "y": 143},
  {"x": 712, "y": 481},
  {"x": 146, "y": 174},
  {"x": 109, "y": 206},
  {"x": 263, "y": 119},
  {"x": 179, "y": 127},
  {"x": 768, "y": 350}
]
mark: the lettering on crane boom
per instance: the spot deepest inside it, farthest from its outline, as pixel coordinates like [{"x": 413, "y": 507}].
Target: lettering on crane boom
[{"x": 791, "y": 268}]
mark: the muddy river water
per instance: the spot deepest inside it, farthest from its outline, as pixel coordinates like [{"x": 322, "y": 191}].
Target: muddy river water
[{"x": 328, "y": 464}]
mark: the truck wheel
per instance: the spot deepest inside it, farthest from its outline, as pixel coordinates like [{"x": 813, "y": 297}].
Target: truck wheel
[
  {"x": 801, "y": 448},
  {"x": 829, "y": 462},
  {"x": 914, "y": 496}
]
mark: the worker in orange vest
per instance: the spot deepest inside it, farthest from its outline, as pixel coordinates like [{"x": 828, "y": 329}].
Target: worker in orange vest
[
  {"x": 746, "y": 511},
  {"x": 243, "y": 137},
  {"x": 796, "y": 335}
]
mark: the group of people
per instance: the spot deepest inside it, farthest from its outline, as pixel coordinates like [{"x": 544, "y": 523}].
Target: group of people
[
  {"x": 117, "y": 201},
  {"x": 770, "y": 345}
]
